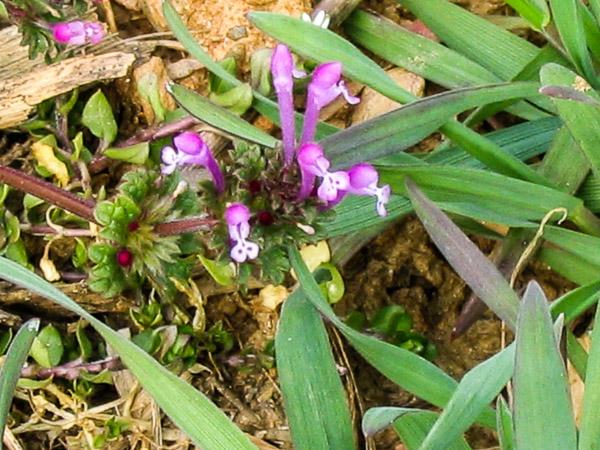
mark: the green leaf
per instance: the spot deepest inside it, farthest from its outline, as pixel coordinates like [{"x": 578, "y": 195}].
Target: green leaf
[
  {"x": 412, "y": 429},
  {"x": 314, "y": 398},
  {"x": 504, "y": 425},
  {"x": 568, "y": 20},
  {"x": 134, "y": 154},
  {"x": 47, "y": 348},
  {"x": 496, "y": 49},
  {"x": 221, "y": 272},
  {"x": 218, "y": 117},
  {"x": 203, "y": 422},
  {"x": 589, "y": 432},
  {"x": 408, "y": 370},
  {"x": 98, "y": 117},
  {"x": 237, "y": 100},
  {"x": 379, "y": 418},
  {"x": 583, "y": 121},
  {"x": 541, "y": 397},
  {"x": 536, "y": 12},
  {"x": 11, "y": 369}
]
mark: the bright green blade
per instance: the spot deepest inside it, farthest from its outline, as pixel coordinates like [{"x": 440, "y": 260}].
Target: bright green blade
[
  {"x": 536, "y": 12},
  {"x": 589, "y": 431},
  {"x": 314, "y": 398},
  {"x": 541, "y": 397},
  {"x": 496, "y": 49},
  {"x": 218, "y": 117},
  {"x": 504, "y": 425},
  {"x": 410, "y": 371},
  {"x": 412, "y": 429},
  {"x": 203, "y": 422},
  {"x": 582, "y": 120},
  {"x": 11, "y": 369}
]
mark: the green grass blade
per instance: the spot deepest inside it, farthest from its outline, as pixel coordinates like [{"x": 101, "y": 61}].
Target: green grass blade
[
  {"x": 582, "y": 120},
  {"x": 536, "y": 12},
  {"x": 465, "y": 258},
  {"x": 379, "y": 418},
  {"x": 475, "y": 391},
  {"x": 203, "y": 109},
  {"x": 504, "y": 425},
  {"x": 577, "y": 355},
  {"x": 496, "y": 49},
  {"x": 576, "y": 302},
  {"x": 398, "y": 130},
  {"x": 412, "y": 429},
  {"x": 261, "y": 103},
  {"x": 323, "y": 45},
  {"x": 541, "y": 397},
  {"x": 570, "y": 266},
  {"x": 314, "y": 398},
  {"x": 568, "y": 20},
  {"x": 11, "y": 369},
  {"x": 409, "y": 371},
  {"x": 589, "y": 431},
  {"x": 203, "y": 422}
]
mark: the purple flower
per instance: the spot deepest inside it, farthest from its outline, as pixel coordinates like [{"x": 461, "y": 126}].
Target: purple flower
[
  {"x": 237, "y": 216},
  {"x": 190, "y": 149},
  {"x": 363, "y": 181},
  {"x": 78, "y": 32},
  {"x": 326, "y": 85},
  {"x": 314, "y": 164},
  {"x": 282, "y": 68}
]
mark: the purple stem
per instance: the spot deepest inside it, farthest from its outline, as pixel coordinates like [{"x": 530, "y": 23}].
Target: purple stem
[
  {"x": 215, "y": 170},
  {"x": 308, "y": 182},
  {"x": 72, "y": 369},
  {"x": 311, "y": 118}
]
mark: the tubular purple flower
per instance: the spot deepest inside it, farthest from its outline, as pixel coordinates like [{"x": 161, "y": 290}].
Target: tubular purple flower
[
  {"x": 314, "y": 164},
  {"x": 326, "y": 85},
  {"x": 363, "y": 181},
  {"x": 237, "y": 216},
  {"x": 77, "y": 32},
  {"x": 282, "y": 68},
  {"x": 190, "y": 149}
]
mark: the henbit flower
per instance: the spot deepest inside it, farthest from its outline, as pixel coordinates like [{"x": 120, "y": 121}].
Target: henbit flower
[
  {"x": 190, "y": 149},
  {"x": 363, "y": 181},
  {"x": 237, "y": 216},
  {"x": 313, "y": 163},
  {"x": 78, "y": 32},
  {"x": 282, "y": 68},
  {"x": 326, "y": 85}
]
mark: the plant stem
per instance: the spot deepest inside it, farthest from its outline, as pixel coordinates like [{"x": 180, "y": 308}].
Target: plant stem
[
  {"x": 48, "y": 192},
  {"x": 188, "y": 225},
  {"x": 338, "y": 10},
  {"x": 72, "y": 369}
]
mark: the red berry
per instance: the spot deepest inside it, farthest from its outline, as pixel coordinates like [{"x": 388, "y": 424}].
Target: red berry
[
  {"x": 265, "y": 218},
  {"x": 124, "y": 257},
  {"x": 133, "y": 226},
  {"x": 254, "y": 187}
]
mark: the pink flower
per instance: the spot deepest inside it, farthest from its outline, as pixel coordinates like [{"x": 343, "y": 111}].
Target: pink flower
[
  {"x": 282, "y": 69},
  {"x": 78, "y": 32},
  {"x": 237, "y": 216},
  {"x": 190, "y": 149},
  {"x": 313, "y": 163},
  {"x": 363, "y": 181}
]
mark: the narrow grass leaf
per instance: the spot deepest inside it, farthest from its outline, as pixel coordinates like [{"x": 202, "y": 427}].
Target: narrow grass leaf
[
  {"x": 496, "y": 49},
  {"x": 475, "y": 391},
  {"x": 567, "y": 18},
  {"x": 576, "y": 302},
  {"x": 412, "y": 429},
  {"x": 202, "y": 421},
  {"x": 582, "y": 120},
  {"x": 11, "y": 368},
  {"x": 471, "y": 265},
  {"x": 410, "y": 371},
  {"x": 314, "y": 398},
  {"x": 541, "y": 397},
  {"x": 577, "y": 355},
  {"x": 571, "y": 267},
  {"x": 379, "y": 418},
  {"x": 536, "y": 12},
  {"x": 589, "y": 432},
  {"x": 504, "y": 425},
  {"x": 218, "y": 117}
]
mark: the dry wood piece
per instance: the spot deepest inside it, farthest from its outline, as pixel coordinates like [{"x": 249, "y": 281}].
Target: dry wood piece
[{"x": 20, "y": 95}]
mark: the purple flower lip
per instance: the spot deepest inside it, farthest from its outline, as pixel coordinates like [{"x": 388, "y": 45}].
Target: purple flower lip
[
  {"x": 363, "y": 180},
  {"x": 314, "y": 164},
  {"x": 190, "y": 149},
  {"x": 77, "y": 32},
  {"x": 237, "y": 216}
]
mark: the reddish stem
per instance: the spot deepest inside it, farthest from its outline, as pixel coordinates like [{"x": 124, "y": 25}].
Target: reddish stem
[{"x": 188, "y": 225}]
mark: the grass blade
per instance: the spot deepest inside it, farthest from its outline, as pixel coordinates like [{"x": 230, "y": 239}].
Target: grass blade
[
  {"x": 504, "y": 425},
  {"x": 202, "y": 421},
  {"x": 11, "y": 369},
  {"x": 314, "y": 398},
  {"x": 589, "y": 432},
  {"x": 203, "y": 109},
  {"x": 541, "y": 397},
  {"x": 377, "y": 419},
  {"x": 536, "y": 12},
  {"x": 412, "y": 429},
  {"x": 467, "y": 260}
]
